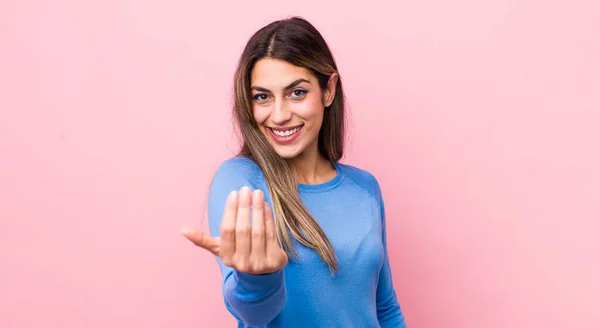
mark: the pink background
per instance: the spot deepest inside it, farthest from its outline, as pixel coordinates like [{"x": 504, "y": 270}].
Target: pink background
[{"x": 479, "y": 118}]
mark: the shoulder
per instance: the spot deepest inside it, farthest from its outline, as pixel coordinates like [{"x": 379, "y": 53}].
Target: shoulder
[
  {"x": 239, "y": 170},
  {"x": 362, "y": 178},
  {"x": 239, "y": 163}
]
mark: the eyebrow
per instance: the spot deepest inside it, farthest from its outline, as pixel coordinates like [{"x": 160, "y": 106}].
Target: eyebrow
[{"x": 289, "y": 86}]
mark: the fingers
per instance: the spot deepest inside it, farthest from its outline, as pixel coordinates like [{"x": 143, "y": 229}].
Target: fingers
[
  {"x": 228, "y": 227},
  {"x": 270, "y": 235},
  {"x": 247, "y": 245},
  {"x": 242, "y": 230},
  {"x": 258, "y": 227},
  {"x": 277, "y": 256},
  {"x": 201, "y": 239}
]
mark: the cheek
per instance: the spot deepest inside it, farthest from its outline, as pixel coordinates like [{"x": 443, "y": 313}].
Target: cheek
[
  {"x": 311, "y": 111},
  {"x": 260, "y": 114}
]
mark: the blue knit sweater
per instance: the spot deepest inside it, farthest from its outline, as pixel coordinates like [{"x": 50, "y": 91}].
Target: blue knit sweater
[{"x": 350, "y": 210}]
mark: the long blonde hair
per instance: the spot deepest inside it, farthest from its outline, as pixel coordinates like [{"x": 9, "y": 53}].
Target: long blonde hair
[{"x": 298, "y": 42}]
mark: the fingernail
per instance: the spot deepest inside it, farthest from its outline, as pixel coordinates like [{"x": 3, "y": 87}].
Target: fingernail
[
  {"x": 233, "y": 195},
  {"x": 245, "y": 189}
]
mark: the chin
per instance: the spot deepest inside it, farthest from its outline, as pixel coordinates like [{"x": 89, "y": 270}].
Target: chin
[{"x": 286, "y": 153}]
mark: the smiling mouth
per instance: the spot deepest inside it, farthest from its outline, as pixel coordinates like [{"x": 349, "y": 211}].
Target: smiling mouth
[{"x": 285, "y": 135}]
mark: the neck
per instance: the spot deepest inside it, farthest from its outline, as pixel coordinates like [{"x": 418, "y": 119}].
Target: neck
[{"x": 312, "y": 168}]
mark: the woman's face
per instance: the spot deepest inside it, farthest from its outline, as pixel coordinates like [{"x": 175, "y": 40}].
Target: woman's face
[{"x": 288, "y": 105}]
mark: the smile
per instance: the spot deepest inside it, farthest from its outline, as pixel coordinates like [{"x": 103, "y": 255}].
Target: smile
[{"x": 285, "y": 135}]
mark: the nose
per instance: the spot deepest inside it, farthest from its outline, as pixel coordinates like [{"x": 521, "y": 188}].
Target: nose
[{"x": 280, "y": 114}]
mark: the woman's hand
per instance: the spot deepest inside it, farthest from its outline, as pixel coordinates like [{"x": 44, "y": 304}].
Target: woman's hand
[{"x": 244, "y": 247}]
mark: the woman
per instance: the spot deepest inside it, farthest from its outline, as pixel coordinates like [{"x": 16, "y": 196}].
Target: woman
[{"x": 319, "y": 257}]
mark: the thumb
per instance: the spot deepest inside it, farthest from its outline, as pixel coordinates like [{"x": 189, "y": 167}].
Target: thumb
[{"x": 201, "y": 239}]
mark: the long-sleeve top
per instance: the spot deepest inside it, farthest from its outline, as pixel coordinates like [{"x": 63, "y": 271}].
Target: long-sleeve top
[{"x": 350, "y": 210}]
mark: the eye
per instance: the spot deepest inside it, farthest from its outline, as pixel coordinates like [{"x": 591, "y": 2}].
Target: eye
[
  {"x": 260, "y": 97},
  {"x": 299, "y": 93}
]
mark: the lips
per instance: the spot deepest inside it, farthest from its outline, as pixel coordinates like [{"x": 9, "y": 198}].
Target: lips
[{"x": 285, "y": 135}]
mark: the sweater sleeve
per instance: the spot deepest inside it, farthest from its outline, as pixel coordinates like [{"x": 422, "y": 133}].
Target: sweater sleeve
[
  {"x": 389, "y": 313},
  {"x": 254, "y": 300}
]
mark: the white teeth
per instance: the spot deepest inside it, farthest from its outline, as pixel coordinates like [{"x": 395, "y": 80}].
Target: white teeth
[{"x": 286, "y": 133}]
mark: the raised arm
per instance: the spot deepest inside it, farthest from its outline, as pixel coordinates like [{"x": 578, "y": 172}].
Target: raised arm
[{"x": 243, "y": 238}]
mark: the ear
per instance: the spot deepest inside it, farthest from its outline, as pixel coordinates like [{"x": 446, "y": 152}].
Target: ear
[{"x": 330, "y": 91}]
